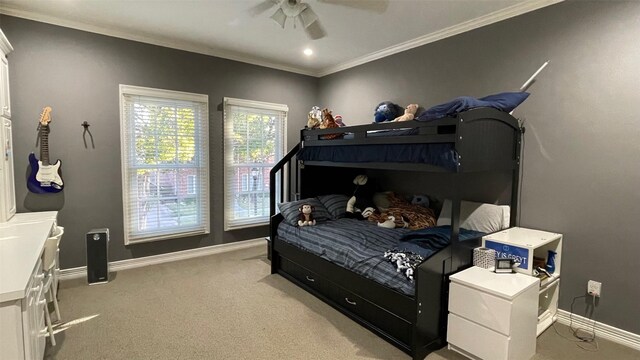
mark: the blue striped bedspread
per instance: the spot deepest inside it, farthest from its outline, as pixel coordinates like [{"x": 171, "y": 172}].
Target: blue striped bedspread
[{"x": 356, "y": 245}]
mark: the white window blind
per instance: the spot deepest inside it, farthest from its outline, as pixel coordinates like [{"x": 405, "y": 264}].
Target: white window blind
[
  {"x": 165, "y": 163},
  {"x": 254, "y": 142}
]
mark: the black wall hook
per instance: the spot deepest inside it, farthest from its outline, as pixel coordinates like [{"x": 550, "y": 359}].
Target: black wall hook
[{"x": 86, "y": 125}]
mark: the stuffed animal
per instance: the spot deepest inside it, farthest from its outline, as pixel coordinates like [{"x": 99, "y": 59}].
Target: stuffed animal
[
  {"x": 360, "y": 206},
  {"x": 420, "y": 200},
  {"x": 305, "y": 218},
  {"x": 386, "y": 111},
  {"x": 338, "y": 119},
  {"x": 312, "y": 122},
  {"x": 328, "y": 122},
  {"x": 409, "y": 113},
  {"x": 314, "y": 118},
  {"x": 390, "y": 223}
]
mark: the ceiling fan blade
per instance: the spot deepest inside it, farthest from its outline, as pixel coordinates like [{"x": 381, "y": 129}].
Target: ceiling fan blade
[
  {"x": 307, "y": 17},
  {"x": 262, "y": 7},
  {"x": 315, "y": 31},
  {"x": 279, "y": 17},
  {"x": 377, "y": 6}
]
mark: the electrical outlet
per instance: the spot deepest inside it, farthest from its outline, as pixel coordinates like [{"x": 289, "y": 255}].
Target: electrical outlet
[{"x": 594, "y": 288}]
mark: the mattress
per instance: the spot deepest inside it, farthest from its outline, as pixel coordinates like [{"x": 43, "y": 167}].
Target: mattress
[
  {"x": 355, "y": 245},
  {"x": 437, "y": 154}
]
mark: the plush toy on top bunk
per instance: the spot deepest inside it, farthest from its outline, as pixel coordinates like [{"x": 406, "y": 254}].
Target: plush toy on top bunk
[
  {"x": 314, "y": 118},
  {"x": 360, "y": 206},
  {"x": 386, "y": 111},
  {"x": 409, "y": 113},
  {"x": 328, "y": 122}
]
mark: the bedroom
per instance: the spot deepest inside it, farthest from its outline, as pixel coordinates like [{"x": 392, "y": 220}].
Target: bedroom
[{"x": 579, "y": 119}]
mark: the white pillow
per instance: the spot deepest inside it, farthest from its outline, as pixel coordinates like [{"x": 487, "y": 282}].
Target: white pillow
[{"x": 487, "y": 218}]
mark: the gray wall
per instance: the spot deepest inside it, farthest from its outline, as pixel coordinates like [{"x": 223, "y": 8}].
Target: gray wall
[
  {"x": 581, "y": 170},
  {"x": 77, "y": 73}
]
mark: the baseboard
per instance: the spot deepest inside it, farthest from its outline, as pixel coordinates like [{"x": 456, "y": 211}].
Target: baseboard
[
  {"x": 602, "y": 330},
  {"x": 80, "y": 272}
]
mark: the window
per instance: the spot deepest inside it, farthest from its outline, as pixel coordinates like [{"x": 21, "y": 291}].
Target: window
[
  {"x": 254, "y": 135},
  {"x": 165, "y": 163},
  {"x": 191, "y": 184}
]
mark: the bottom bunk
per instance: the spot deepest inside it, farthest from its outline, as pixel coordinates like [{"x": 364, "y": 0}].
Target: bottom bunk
[{"x": 410, "y": 315}]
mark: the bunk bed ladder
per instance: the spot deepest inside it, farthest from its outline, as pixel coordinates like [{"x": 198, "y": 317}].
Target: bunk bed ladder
[{"x": 283, "y": 172}]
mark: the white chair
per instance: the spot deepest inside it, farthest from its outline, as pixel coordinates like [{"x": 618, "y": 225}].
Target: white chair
[
  {"x": 49, "y": 265},
  {"x": 58, "y": 232}
]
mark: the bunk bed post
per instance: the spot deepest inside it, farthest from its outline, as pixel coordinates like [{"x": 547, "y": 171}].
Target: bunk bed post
[
  {"x": 456, "y": 255},
  {"x": 515, "y": 180}
]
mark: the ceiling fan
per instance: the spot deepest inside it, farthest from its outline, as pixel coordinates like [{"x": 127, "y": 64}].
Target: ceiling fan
[{"x": 302, "y": 13}]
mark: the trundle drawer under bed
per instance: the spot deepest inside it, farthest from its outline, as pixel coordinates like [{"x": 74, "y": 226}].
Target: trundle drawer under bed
[{"x": 355, "y": 306}]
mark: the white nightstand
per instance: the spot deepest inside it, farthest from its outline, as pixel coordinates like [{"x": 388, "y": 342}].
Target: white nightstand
[
  {"x": 493, "y": 316},
  {"x": 523, "y": 245}
]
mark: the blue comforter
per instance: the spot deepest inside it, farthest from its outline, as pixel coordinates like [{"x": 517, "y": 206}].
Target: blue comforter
[
  {"x": 429, "y": 240},
  {"x": 506, "y": 102}
]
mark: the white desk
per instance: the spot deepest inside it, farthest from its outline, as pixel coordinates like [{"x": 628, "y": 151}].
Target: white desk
[{"x": 22, "y": 303}]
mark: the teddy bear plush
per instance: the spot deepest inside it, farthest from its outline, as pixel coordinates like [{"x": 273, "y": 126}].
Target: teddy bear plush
[
  {"x": 305, "y": 218},
  {"x": 409, "y": 113}
]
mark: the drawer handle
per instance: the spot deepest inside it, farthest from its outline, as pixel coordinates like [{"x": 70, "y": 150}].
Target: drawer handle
[
  {"x": 351, "y": 302},
  {"x": 309, "y": 278}
]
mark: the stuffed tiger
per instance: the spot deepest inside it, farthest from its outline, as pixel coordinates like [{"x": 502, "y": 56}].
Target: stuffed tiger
[{"x": 406, "y": 215}]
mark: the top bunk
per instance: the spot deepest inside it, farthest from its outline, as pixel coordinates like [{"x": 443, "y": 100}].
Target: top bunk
[{"x": 480, "y": 139}]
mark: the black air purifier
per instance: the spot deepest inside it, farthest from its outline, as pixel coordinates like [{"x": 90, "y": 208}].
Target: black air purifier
[{"x": 97, "y": 256}]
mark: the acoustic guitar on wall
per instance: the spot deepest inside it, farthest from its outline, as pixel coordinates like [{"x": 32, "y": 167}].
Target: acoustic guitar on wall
[{"x": 44, "y": 177}]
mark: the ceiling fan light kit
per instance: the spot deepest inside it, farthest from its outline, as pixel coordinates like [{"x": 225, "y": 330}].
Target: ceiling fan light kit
[
  {"x": 294, "y": 9},
  {"x": 302, "y": 12}
]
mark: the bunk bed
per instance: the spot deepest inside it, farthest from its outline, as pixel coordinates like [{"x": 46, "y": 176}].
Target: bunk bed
[{"x": 463, "y": 146}]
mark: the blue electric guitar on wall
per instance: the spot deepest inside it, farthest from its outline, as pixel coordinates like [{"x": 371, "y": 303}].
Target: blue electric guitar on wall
[{"x": 44, "y": 177}]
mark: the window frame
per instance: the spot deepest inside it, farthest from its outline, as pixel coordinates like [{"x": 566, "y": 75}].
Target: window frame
[
  {"x": 261, "y": 105},
  {"x": 128, "y": 149}
]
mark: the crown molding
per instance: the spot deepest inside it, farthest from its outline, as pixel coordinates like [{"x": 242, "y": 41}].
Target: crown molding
[
  {"x": 488, "y": 19},
  {"x": 152, "y": 39},
  {"x": 496, "y": 16},
  {"x": 5, "y": 45}
]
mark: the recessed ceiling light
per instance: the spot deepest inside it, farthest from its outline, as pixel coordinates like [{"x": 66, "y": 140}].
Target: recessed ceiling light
[{"x": 308, "y": 52}]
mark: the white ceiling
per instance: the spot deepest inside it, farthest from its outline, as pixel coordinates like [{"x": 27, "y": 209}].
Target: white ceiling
[{"x": 226, "y": 28}]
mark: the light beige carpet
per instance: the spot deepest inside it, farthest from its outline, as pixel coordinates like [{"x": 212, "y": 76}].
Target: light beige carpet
[{"x": 228, "y": 306}]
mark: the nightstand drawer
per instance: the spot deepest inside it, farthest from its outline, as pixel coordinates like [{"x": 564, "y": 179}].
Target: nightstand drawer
[
  {"x": 482, "y": 308},
  {"x": 477, "y": 340}
]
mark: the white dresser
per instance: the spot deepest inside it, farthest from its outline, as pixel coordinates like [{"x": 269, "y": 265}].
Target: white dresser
[
  {"x": 22, "y": 302},
  {"x": 493, "y": 316}
]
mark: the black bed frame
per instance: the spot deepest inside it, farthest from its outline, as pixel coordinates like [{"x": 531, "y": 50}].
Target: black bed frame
[{"x": 485, "y": 139}]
